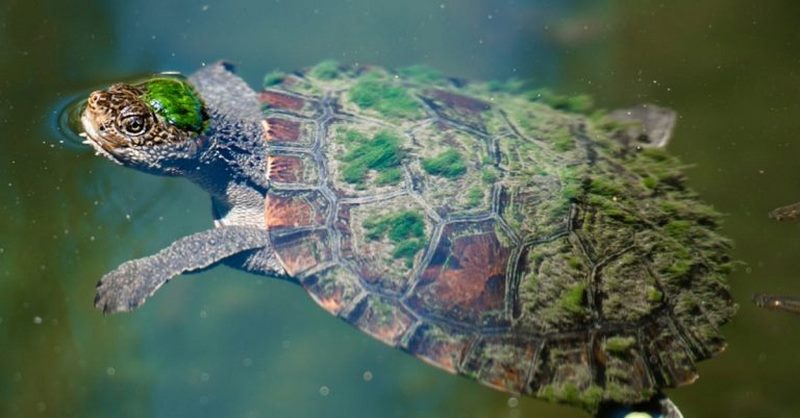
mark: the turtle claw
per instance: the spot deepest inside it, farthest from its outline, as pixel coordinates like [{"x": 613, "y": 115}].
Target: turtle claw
[
  {"x": 110, "y": 300},
  {"x": 125, "y": 288}
]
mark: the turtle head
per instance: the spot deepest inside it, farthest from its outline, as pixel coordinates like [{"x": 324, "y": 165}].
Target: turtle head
[{"x": 134, "y": 124}]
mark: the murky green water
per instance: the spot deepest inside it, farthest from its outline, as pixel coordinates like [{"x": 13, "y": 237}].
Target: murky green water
[{"x": 228, "y": 344}]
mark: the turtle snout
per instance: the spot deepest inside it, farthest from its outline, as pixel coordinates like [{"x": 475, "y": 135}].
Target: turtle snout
[{"x": 99, "y": 101}]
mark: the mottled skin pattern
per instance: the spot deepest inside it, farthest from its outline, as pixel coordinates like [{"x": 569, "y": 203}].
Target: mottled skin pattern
[
  {"x": 551, "y": 256},
  {"x": 122, "y": 118}
]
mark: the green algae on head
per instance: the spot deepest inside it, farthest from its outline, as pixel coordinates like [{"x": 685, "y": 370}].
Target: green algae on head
[
  {"x": 176, "y": 101},
  {"x": 126, "y": 118}
]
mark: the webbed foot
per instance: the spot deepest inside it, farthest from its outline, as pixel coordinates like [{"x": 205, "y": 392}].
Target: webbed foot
[{"x": 125, "y": 288}]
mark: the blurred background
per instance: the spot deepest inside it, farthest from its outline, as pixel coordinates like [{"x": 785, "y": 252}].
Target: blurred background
[{"x": 228, "y": 344}]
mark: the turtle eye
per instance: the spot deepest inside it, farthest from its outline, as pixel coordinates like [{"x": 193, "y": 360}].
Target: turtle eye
[{"x": 133, "y": 125}]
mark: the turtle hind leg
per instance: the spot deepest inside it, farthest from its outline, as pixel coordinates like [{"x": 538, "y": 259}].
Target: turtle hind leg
[
  {"x": 130, "y": 284},
  {"x": 789, "y": 213}
]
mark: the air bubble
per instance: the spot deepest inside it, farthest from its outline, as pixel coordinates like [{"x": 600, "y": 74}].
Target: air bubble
[{"x": 324, "y": 391}]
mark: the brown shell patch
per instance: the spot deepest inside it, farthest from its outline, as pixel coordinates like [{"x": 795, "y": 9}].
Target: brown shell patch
[
  {"x": 282, "y": 130},
  {"x": 383, "y": 319},
  {"x": 284, "y": 169},
  {"x": 294, "y": 210},
  {"x": 438, "y": 347},
  {"x": 456, "y": 100},
  {"x": 280, "y": 100},
  {"x": 465, "y": 110},
  {"x": 465, "y": 279},
  {"x": 289, "y": 169},
  {"x": 333, "y": 289},
  {"x": 302, "y": 251},
  {"x": 501, "y": 362}
]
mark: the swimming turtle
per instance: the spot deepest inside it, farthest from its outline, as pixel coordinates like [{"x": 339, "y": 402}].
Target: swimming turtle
[{"x": 515, "y": 238}]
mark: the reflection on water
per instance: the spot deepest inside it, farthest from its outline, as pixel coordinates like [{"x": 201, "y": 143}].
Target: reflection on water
[
  {"x": 223, "y": 343},
  {"x": 67, "y": 121}
]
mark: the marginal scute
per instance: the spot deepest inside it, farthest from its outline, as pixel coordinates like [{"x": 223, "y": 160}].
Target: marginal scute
[
  {"x": 296, "y": 170},
  {"x": 465, "y": 280},
  {"x": 553, "y": 287},
  {"x": 565, "y": 373},
  {"x": 383, "y": 319},
  {"x": 464, "y": 110},
  {"x": 673, "y": 364},
  {"x": 439, "y": 347},
  {"x": 281, "y": 101},
  {"x": 626, "y": 372},
  {"x": 334, "y": 289},
  {"x": 502, "y": 363},
  {"x": 301, "y": 252},
  {"x": 282, "y": 130},
  {"x": 291, "y": 209}
]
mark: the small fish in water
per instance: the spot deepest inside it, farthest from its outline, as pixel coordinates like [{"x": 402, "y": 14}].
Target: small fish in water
[
  {"x": 789, "y": 213},
  {"x": 777, "y": 302}
]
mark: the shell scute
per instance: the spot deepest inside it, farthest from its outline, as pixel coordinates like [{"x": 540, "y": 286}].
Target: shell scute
[
  {"x": 438, "y": 347},
  {"x": 280, "y": 101},
  {"x": 448, "y": 169},
  {"x": 287, "y": 131},
  {"x": 292, "y": 209},
  {"x": 382, "y": 318},
  {"x": 465, "y": 280},
  {"x": 501, "y": 362},
  {"x": 385, "y": 245},
  {"x": 292, "y": 170},
  {"x": 461, "y": 109},
  {"x": 302, "y": 252},
  {"x": 335, "y": 289}
]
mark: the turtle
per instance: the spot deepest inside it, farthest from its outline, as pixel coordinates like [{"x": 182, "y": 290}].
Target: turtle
[{"x": 517, "y": 237}]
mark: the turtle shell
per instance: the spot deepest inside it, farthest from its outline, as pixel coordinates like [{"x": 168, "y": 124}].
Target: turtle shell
[{"x": 495, "y": 234}]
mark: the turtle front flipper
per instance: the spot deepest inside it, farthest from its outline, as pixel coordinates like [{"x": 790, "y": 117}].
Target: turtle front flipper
[{"x": 130, "y": 284}]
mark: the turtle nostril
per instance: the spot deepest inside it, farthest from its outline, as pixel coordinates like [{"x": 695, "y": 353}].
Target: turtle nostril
[{"x": 98, "y": 98}]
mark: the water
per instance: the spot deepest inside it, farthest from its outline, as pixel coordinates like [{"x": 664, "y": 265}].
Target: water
[{"x": 224, "y": 343}]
